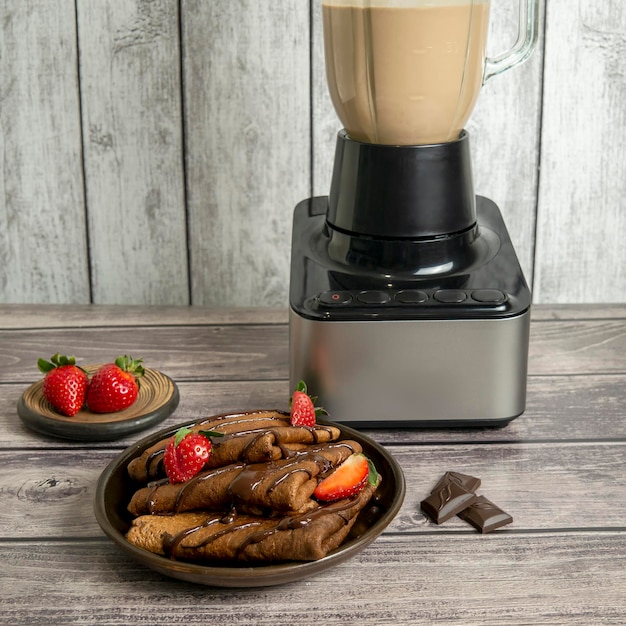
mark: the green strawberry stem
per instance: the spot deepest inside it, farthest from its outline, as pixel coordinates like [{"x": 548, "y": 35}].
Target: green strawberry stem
[
  {"x": 373, "y": 477},
  {"x": 133, "y": 366},
  {"x": 56, "y": 360},
  {"x": 181, "y": 433},
  {"x": 211, "y": 433}
]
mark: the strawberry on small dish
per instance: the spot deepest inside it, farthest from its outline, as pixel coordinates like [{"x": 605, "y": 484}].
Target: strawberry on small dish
[
  {"x": 96, "y": 402},
  {"x": 65, "y": 384},
  {"x": 115, "y": 386}
]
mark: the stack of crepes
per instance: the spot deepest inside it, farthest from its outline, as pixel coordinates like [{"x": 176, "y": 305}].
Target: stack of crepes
[{"x": 252, "y": 502}]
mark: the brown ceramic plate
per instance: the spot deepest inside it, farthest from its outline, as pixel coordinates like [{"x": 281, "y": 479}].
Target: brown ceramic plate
[
  {"x": 114, "y": 490},
  {"x": 158, "y": 398}
]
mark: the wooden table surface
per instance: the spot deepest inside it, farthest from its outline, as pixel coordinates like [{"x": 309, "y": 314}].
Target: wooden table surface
[{"x": 559, "y": 469}]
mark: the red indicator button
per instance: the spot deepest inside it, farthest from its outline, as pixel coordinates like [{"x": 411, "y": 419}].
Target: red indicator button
[{"x": 335, "y": 298}]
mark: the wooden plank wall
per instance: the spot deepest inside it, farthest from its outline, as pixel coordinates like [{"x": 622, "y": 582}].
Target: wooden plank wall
[{"x": 152, "y": 151}]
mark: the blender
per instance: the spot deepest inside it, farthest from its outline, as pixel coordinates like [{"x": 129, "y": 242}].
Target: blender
[{"x": 408, "y": 306}]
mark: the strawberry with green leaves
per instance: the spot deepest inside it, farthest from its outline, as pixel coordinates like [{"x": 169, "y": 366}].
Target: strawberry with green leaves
[
  {"x": 303, "y": 411},
  {"x": 347, "y": 480},
  {"x": 186, "y": 454},
  {"x": 115, "y": 386},
  {"x": 65, "y": 384}
]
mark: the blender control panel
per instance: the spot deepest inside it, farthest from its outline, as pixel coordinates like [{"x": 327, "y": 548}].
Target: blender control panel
[
  {"x": 367, "y": 298},
  {"x": 406, "y": 303}
]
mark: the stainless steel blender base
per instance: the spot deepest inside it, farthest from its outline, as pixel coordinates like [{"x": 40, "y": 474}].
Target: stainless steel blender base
[
  {"x": 443, "y": 340},
  {"x": 424, "y": 372}
]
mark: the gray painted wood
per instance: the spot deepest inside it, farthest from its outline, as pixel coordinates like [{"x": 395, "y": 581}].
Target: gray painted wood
[
  {"x": 43, "y": 252},
  {"x": 556, "y": 469},
  {"x": 132, "y": 128},
  {"x": 577, "y": 363},
  {"x": 588, "y": 408},
  {"x": 166, "y": 144},
  {"x": 509, "y": 472},
  {"x": 449, "y": 579},
  {"x": 581, "y": 255},
  {"x": 246, "y": 89},
  {"x": 557, "y": 346}
]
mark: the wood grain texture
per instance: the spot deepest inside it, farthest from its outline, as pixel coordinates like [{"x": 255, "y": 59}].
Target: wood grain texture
[
  {"x": 576, "y": 408},
  {"x": 242, "y": 352},
  {"x": 182, "y": 158},
  {"x": 133, "y": 154},
  {"x": 41, "y": 181},
  {"x": 542, "y": 312},
  {"x": 247, "y": 117},
  {"x": 581, "y": 347},
  {"x": 540, "y": 485},
  {"x": 183, "y": 353},
  {"x": 67, "y": 316},
  {"x": 557, "y": 470},
  {"x": 581, "y": 218},
  {"x": 548, "y": 579}
]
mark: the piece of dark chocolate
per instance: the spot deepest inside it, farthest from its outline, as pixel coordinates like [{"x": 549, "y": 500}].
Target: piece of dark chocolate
[
  {"x": 485, "y": 515},
  {"x": 469, "y": 483},
  {"x": 446, "y": 500}
]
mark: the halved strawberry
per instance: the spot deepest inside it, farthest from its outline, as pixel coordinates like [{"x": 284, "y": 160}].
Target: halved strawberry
[
  {"x": 303, "y": 409},
  {"x": 347, "y": 480}
]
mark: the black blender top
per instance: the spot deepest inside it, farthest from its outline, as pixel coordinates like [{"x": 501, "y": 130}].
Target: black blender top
[{"x": 336, "y": 275}]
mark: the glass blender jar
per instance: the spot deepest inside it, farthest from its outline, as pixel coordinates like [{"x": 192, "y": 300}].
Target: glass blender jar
[{"x": 408, "y": 72}]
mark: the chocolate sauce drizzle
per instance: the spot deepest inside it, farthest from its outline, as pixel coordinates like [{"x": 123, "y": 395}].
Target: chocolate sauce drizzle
[
  {"x": 154, "y": 461},
  {"x": 248, "y": 478},
  {"x": 231, "y": 519}
]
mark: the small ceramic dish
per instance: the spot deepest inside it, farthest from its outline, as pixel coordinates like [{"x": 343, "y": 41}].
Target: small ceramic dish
[
  {"x": 114, "y": 491},
  {"x": 158, "y": 398}
]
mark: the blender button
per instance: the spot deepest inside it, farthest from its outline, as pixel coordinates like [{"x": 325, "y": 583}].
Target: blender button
[
  {"x": 373, "y": 296},
  {"x": 335, "y": 298},
  {"x": 488, "y": 296},
  {"x": 450, "y": 296},
  {"x": 411, "y": 296}
]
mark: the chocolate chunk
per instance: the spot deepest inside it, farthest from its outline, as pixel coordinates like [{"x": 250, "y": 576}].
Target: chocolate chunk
[
  {"x": 446, "y": 500},
  {"x": 485, "y": 515},
  {"x": 469, "y": 483}
]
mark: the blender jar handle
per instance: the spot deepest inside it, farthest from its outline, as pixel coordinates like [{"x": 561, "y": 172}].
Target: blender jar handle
[{"x": 527, "y": 37}]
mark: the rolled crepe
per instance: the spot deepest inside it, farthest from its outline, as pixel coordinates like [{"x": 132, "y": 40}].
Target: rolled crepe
[
  {"x": 253, "y": 437},
  {"x": 283, "y": 485},
  {"x": 209, "y": 536}
]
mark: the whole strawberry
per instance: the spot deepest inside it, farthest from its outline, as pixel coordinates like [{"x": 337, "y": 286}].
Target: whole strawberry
[
  {"x": 186, "y": 454},
  {"x": 303, "y": 409},
  {"x": 65, "y": 384},
  {"x": 114, "y": 386}
]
